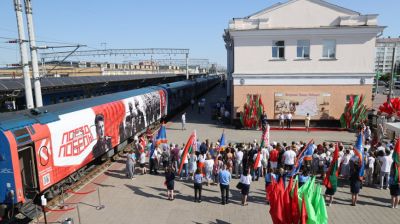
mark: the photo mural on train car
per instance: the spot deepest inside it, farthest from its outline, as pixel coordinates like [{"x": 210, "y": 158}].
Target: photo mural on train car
[
  {"x": 108, "y": 123},
  {"x": 143, "y": 110},
  {"x": 81, "y": 136}
]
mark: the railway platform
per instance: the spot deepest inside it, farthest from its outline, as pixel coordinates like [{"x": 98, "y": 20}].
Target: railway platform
[{"x": 143, "y": 199}]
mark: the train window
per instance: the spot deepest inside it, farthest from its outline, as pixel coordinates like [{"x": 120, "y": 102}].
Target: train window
[{"x": 53, "y": 100}]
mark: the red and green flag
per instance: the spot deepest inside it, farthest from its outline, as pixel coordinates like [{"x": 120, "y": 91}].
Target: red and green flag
[
  {"x": 189, "y": 147},
  {"x": 396, "y": 161},
  {"x": 265, "y": 138},
  {"x": 330, "y": 180}
]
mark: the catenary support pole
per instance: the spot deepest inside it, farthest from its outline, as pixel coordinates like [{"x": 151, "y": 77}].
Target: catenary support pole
[
  {"x": 187, "y": 66},
  {"x": 34, "y": 56},
  {"x": 24, "y": 55}
]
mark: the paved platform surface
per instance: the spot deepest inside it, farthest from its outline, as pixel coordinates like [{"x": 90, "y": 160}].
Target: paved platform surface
[{"x": 143, "y": 200}]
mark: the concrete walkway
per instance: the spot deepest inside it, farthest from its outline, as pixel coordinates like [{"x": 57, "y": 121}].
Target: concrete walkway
[{"x": 143, "y": 200}]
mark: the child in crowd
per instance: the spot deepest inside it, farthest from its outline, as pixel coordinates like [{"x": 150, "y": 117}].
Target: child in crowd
[
  {"x": 198, "y": 180},
  {"x": 170, "y": 183},
  {"x": 142, "y": 162}
]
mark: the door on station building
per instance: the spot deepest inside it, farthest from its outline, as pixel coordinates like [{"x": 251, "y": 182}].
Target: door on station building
[{"x": 27, "y": 166}]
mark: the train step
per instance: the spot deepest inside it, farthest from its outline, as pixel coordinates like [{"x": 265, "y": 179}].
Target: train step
[{"x": 30, "y": 210}]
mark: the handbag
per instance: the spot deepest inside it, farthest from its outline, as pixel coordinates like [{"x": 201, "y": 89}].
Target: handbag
[{"x": 239, "y": 186}]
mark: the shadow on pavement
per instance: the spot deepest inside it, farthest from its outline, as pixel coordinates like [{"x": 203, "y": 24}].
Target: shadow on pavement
[{"x": 138, "y": 191}]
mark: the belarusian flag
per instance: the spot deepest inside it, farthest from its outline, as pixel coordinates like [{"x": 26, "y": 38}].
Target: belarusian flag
[
  {"x": 330, "y": 180},
  {"x": 191, "y": 143},
  {"x": 396, "y": 161},
  {"x": 265, "y": 137}
]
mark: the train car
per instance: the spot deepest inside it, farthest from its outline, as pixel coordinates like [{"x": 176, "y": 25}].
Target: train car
[
  {"x": 46, "y": 148},
  {"x": 42, "y": 149},
  {"x": 180, "y": 93}
]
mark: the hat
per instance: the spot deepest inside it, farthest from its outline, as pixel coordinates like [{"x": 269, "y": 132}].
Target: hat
[{"x": 274, "y": 143}]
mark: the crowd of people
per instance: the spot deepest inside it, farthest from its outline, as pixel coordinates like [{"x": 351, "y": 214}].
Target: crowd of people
[{"x": 212, "y": 164}]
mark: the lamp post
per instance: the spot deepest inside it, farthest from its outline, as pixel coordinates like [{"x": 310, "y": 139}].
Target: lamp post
[{"x": 392, "y": 75}]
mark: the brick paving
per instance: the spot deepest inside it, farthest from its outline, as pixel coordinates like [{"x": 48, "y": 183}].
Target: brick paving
[{"x": 143, "y": 200}]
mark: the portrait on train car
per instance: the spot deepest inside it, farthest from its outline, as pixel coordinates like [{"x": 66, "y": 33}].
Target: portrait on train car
[
  {"x": 140, "y": 119},
  {"x": 130, "y": 124},
  {"x": 103, "y": 143}
]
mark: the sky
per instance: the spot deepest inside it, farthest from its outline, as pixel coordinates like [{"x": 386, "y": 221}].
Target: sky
[{"x": 194, "y": 24}]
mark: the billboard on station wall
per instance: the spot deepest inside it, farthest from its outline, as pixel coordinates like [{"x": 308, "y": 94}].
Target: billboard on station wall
[{"x": 299, "y": 104}]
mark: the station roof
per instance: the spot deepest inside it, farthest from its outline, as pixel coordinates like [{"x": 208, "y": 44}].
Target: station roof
[{"x": 52, "y": 82}]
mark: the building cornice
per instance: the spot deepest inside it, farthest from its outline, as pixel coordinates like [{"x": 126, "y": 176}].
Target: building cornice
[
  {"x": 303, "y": 79},
  {"x": 310, "y": 31}
]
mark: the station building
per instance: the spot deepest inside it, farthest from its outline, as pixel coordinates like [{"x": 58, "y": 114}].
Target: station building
[{"x": 302, "y": 56}]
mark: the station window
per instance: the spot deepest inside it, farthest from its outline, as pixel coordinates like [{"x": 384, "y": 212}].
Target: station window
[
  {"x": 278, "y": 49},
  {"x": 303, "y": 49},
  {"x": 329, "y": 49}
]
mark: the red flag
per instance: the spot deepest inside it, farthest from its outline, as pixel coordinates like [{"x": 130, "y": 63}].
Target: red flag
[
  {"x": 278, "y": 209},
  {"x": 286, "y": 202},
  {"x": 303, "y": 212},
  {"x": 295, "y": 206}
]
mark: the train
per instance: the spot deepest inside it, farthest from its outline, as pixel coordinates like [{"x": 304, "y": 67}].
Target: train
[{"x": 44, "y": 149}]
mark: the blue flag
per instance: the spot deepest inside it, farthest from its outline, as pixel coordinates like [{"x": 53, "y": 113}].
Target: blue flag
[
  {"x": 222, "y": 140},
  {"x": 161, "y": 136},
  {"x": 305, "y": 153},
  {"x": 359, "y": 152}
]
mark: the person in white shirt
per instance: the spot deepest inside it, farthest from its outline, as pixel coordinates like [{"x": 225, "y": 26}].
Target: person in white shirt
[
  {"x": 245, "y": 180},
  {"x": 367, "y": 133},
  {"x": 288, "y": 120},
  {"x": 257, "y": 171},
  {"x": 281, "y": 120},
  {"x": 183, "y": 121},
  {"x": 289, "y": 158},
  {"x": 345, "y": 167},
  {"x": 238, "y": 162},
  {"x": 370, "y": 170},
  {"x": 153, "y": 161},
  {"x": 185, "y": 164},
  {"x": 386, "y": 162},
  {"x": 142, "y": 162},
  {"x": 208, "y": 166},
  {"x": 264, "y": 161},
  {"x": 307, "y": 122}
]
